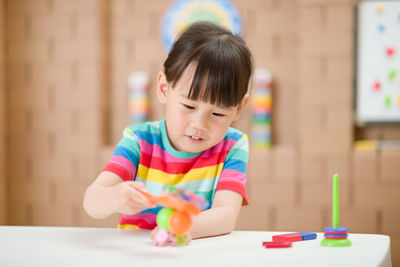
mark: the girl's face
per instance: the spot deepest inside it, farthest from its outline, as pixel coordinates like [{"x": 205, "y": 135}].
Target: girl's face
[{"x": 193, "y": 126}]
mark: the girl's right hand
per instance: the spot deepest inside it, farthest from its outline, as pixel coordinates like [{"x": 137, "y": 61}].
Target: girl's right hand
[{"x": 127, "y": 198}]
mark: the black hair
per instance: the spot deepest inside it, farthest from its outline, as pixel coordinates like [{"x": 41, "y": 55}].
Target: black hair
[{"x": 224, "y": 64}]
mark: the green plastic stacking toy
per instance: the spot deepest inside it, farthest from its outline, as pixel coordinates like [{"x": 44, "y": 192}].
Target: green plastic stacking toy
[{"x": 335, "y": 236}]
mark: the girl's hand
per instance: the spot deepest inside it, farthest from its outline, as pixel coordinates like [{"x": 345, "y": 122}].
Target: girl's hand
[{"x": 127, "y": 198}]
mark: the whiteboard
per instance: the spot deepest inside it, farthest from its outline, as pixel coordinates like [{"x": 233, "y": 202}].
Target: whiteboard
[{"x": 378, "y": 62}]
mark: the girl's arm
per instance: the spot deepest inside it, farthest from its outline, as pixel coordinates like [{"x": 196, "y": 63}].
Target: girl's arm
[
  {"x": 221, "y": 218},
  {"x": 109, "y": 194}
]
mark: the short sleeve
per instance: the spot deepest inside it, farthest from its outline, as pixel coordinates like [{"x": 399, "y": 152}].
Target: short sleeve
[
  {"x": 233, "y": 175},
  {"x": 125, "y": 159}
]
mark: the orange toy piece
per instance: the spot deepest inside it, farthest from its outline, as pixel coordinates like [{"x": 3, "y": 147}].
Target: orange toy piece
[
  {"x": 173, "y": 203},
  {"x": 180, "y": 222}
]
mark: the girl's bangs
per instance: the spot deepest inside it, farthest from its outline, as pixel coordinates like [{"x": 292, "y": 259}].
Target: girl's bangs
[{"x": 215, "y": 83}]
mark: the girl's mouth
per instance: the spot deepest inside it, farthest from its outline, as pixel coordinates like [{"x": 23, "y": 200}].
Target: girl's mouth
[{"x": 194, "y": 139}]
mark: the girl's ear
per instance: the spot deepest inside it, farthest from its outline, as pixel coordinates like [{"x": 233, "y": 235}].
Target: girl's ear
[
  {"x": 162, "y": 87},
  {"x": 241, "y": 106}
]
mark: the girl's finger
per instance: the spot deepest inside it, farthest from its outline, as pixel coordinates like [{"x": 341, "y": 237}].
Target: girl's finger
[{"x": 138, "y": 186}]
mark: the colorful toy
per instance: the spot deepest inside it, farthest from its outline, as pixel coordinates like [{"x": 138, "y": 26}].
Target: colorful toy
[
  {"x": 138, "y": 103},
  {"x": 285, "y": 240},
  {"x": 335, "y": 236},
  {"x": 300, "y": 236},
  {"x": 287, "y": 237},
  {"x": 261, "y": 105},
  {"x": 175, "y": 219}
]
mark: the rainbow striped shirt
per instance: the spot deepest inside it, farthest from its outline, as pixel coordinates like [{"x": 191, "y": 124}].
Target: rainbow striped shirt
[{"x": 145, "y": 154}]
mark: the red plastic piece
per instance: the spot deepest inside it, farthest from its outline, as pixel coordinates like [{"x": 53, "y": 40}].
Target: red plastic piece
[
  {"x": 277, "y": 244},
  {"x": 287, "y": 237}
]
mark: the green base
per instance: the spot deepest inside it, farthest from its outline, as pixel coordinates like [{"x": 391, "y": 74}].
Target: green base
[{"x": 335, "y": 242}]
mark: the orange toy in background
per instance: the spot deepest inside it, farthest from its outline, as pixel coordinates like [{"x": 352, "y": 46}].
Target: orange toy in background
[{"x": 175, "y": 219}]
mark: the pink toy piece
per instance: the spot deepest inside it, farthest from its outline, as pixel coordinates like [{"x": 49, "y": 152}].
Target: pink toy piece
[{"x": 161, "y": 237}]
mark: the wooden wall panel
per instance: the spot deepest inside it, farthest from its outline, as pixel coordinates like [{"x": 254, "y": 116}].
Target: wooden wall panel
[{"x": 3, "y": 118}]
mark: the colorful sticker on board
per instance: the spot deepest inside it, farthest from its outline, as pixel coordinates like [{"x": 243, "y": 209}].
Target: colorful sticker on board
[
  {"x": 388, "y": 101},
  {"x": 392, "y": 74},
  {"x": 184, "y": 12},
  {"x": 390, "y": 50},
  {"x": 377, "y": 85},
  {"x": 378, "y": 78}
]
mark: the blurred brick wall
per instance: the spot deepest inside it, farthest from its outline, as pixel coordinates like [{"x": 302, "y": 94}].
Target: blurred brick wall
[
  {"x": 67, "y": 69},
  {"x": 290, "y": 185},
  {"x": 55, "y": 68},
  {"x": 136, "y": 46},
  {"x": 312, "y": 105},
  {"x": 3, "y": 191}
]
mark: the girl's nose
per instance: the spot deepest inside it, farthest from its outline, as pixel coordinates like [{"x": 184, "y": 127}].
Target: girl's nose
[{"x": 199, "y": 122}]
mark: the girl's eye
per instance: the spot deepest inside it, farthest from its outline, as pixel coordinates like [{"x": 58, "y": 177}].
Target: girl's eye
[
  {"x": 187, "y": 106},
  {"x": 218, "y": 114}
]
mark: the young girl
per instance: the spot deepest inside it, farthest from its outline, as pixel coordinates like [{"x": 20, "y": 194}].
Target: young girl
[{"x": 204, "y": 86}]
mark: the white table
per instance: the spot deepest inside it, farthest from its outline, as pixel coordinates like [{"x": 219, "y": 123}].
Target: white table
[{"x": 63, "y": 246}]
